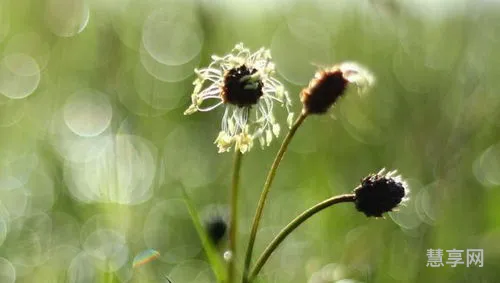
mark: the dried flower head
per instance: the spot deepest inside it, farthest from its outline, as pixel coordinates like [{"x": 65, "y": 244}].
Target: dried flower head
[
  {"x": 379, "y": 193},
  {"x": 329, "y": 84},
  {"x": 243, "y": 83}
]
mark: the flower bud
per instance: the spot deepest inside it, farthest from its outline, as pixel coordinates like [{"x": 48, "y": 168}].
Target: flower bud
[
  {"x": 216, "y": 229},
  {"x": 215, "y": 222}
]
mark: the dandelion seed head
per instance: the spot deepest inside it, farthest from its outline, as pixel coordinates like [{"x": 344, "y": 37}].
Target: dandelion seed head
[{"x": 243, "y": 84}]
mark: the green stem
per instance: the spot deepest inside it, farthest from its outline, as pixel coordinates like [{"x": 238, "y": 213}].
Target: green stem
[
  {"x": 265, "y": 191},
  {"x": 233, "y": 224},
  {"x": 107, "y": 276},
  {"x": 292, "y": 226},
  {"x": 110, "y": 277}
]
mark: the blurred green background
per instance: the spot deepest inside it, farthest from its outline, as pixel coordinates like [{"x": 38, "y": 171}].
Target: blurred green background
[{"x": 94, "y": 149}]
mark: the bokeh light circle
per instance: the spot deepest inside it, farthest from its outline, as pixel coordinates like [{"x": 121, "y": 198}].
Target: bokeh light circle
[
  {"x": 129, "y": 97},
  {"x": 88, "y": 113},
  {"x": 118, "y": 222},
  {"x": 487, "y": 165},
  {"x": 67, "y": 18},
  {"x": 128, "y": 19},
  {"x": 164, "y": 72},
  {"x": 361, "y": 119},
  {"x": 31, "y": 44},
  {"x": 196, "y": 168},
  {"x": 3, "y": 230},
  {"x": 297, "y": 59},
  {"x": 4, "y": 223},
  {"x": 169, "y": 230},
  {"x": 81, "y": 269},
  {"x": 40, "y": 191},
  {"x": 123, "y": 173},
  {"x": 72, "y": 147},
  {"x": 7, "y": 271},
  {"x": 29, "y": 240},
  {"x": 19, "y": 75},
  {"x": 107, "y": 249},
  {"x": 159, "y": 94},
  {"x": 406, "y": 216},
  {"x": 192, "y": 271},
  {"x": 12, "y": 111},
  {"x": 16, "y": 170},
  {"x": 172, "y": 36},
  {"x": 14, "y": 198},
  {"x": 425, "y": 206}
]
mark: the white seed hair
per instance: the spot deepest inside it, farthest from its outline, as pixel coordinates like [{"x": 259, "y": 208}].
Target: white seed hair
[{"x": 357, "y": 75}]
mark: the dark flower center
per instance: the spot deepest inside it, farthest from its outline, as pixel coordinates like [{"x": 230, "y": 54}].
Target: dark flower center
[
  {"x": 240, "y": 88},
  {"x": 378, "y": 194}
]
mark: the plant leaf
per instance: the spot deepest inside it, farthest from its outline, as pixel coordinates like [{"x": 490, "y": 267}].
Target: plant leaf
[{"x": 210, "y": 250}]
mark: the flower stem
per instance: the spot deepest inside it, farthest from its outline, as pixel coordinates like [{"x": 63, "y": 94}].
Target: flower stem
[
  {"x": 292, "y": 226},
  {"x": 233, "y": 225},
  {"x": 265, "y": 191}
]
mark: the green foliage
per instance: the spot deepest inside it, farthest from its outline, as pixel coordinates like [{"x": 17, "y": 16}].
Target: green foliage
[{"x": 94, "y": 144}]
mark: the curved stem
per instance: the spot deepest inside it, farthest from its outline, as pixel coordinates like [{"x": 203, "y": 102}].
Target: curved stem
[
  {"x": 292, "y": 226},
  {"x": 233, "y": 224},
  {"x": 265, "y": 191}
]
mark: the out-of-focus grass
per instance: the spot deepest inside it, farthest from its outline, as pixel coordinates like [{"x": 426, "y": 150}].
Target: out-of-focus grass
[{"x": 94, "y": 147}]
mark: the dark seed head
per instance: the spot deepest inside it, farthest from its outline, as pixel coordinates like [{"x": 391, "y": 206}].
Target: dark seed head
[
  {"x": 323, "y": 91},
  {"x": 240, "y": 88},
  {"x": 216, "y": 228},
  {"x": 379, "y": 193}
]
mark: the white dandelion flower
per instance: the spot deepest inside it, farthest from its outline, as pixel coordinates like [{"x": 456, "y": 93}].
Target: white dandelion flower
[{"x": 243, "y": 83}]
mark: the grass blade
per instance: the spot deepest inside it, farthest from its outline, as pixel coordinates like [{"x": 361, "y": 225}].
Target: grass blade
[{"x": 213, "y": 256}]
